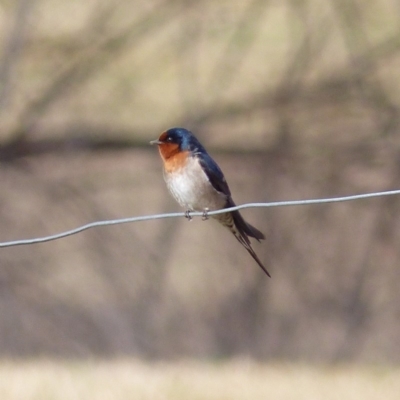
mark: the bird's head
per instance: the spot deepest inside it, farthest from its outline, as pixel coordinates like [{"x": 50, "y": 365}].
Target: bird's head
[{"x": 176, "y": 140}]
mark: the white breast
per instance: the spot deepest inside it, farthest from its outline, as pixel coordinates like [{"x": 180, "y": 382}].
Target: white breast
[{"x": 192, "y": 189}]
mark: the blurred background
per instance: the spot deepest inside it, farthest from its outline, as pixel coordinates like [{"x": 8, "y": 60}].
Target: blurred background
[{"x": 295, "y": 99}]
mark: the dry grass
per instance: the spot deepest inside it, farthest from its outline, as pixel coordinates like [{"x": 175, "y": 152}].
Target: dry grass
[{"x": 194, "y": 380}]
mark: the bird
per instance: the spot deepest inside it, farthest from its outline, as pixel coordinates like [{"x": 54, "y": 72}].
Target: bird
[{"x": 197, "y": 183}]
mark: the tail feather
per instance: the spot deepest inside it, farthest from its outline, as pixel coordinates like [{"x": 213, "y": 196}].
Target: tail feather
[
  {"x": 242, "y": 230},
  {"x": 245, "y": 227},
  {"x": 244, "y": 240}
]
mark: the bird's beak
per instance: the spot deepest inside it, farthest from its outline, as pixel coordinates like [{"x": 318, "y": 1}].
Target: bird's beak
[{"x": 156, "y": 142}]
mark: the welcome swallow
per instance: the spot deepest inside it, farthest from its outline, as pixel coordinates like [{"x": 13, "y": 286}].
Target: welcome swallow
[{"x": 198, "y": 184}]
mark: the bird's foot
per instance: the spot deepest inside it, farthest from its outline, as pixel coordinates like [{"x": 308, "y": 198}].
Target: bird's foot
[
  {"x": 205, "y": 215},
  {"x": 187, "y": 215}
]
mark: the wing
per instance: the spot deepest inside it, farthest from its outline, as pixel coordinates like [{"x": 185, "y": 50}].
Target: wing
[
  {"x": 214, "y": 173},
  {"x": 217, "y": 179}
]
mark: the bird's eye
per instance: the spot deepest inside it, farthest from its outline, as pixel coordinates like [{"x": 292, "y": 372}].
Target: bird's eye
[{"x": 169, "y": 139}]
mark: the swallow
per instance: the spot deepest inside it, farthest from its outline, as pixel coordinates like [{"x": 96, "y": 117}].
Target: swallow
[{"x": 198, "y": 184}]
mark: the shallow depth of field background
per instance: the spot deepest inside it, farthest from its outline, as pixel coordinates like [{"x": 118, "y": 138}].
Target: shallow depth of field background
[{"x": 294, "y": 99}]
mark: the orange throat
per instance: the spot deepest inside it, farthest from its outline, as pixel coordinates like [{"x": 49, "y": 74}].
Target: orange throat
[{"x": 173, "y": 158}]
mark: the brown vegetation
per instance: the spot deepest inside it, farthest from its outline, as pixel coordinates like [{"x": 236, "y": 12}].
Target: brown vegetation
[{"x": 295, "y": 100}]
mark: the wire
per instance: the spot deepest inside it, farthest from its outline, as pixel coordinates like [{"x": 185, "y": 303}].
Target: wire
[{"x": 195, "y": 214}]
